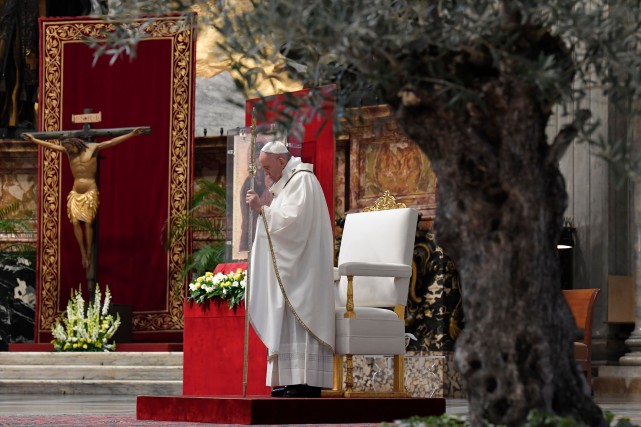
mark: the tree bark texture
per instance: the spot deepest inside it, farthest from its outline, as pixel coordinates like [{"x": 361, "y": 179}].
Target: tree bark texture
[{"x": 501, "y": 200}]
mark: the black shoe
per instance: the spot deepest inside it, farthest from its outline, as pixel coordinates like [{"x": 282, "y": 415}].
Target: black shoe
[
  {"x": 302, "y": 390},
  {"x": 278, "y": 391}
]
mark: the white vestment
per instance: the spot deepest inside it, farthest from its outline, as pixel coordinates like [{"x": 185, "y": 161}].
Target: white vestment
[{"x": 291, "y": 294}]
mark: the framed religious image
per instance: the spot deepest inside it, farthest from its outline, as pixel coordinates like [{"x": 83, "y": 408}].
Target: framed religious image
[
  {"x": 381, "y": 157},
  {"x": 239, "y": 154}
]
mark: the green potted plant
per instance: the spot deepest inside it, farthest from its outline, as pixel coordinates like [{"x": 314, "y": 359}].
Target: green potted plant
[
  {"x": 10, "y": 225},
  {"x": 203, "y": 218}
]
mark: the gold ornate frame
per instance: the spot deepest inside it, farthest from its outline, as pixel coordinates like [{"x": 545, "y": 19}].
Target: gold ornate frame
[{"x": 180, "y": 30}]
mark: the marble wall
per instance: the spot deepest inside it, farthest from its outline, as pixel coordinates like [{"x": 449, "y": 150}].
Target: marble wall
[
  {"x": 18, "y": 184},
  {"x": 17, "y": 298},
  {"x": 427, "y": 374}
]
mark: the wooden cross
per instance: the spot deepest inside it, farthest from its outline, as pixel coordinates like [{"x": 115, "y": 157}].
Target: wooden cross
[{"x": 87, "y": 134}]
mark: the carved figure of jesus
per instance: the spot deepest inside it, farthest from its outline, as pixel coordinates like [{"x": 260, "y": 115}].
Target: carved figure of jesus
[{"x": 82, "y": 201}]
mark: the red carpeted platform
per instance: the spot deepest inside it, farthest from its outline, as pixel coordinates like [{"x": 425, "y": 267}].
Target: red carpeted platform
[{"x": 269, "y": 410}]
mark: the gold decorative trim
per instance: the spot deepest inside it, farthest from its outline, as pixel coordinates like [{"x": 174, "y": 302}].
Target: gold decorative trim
[
  {"x": 385, "y": 202},
  {"x": 294, "y": 174},
  {"x": 49, "y": 237},
  {"x": 178, "y": 29}
]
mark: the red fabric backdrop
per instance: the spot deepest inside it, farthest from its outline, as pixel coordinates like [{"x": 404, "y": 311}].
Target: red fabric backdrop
[
  {"x": 133, "y": 175},
  {"x": 143, "y": 182}
]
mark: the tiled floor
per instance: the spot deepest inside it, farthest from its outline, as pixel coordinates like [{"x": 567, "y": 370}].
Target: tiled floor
[{"x": 126, "y": 405}]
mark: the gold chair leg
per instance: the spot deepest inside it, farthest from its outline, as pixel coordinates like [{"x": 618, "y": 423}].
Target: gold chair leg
[
  {"x": 399, "y": 373},
  {"x": 349, "y": 381},
  {"x": 337, "y": 388},
  {"x": 338, "y": 373}
]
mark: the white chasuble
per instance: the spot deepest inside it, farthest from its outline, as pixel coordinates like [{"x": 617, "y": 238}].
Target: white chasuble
[{"x": 291, "y": 292}]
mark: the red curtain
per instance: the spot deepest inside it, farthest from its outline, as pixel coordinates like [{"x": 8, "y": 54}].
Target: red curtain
[{"x": 143, "y": 182}]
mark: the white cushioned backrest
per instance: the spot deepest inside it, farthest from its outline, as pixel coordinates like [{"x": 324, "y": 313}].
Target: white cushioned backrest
[{"x": 378, "y": 237}]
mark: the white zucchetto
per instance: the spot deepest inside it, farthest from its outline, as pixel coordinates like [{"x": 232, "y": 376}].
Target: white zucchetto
[{"x": 275, "y": 147}]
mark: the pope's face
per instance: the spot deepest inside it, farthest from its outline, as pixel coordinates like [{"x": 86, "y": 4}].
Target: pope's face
[{"x": 273, "y": 165}]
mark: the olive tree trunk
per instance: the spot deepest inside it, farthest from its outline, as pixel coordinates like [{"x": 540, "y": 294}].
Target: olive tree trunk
[{"x": 501, "y": 200}]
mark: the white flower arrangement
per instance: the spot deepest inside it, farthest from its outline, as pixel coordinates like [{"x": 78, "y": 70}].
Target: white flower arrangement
[
  {"x": 229, "y": 287},
  {"x": 90, "y": 331}
]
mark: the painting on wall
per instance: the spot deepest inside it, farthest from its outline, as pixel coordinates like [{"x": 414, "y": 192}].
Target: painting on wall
[{"x": 383, "y": 158}]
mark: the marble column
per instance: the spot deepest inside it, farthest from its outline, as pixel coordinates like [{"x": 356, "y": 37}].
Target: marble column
[
  {"x": 624, "y": 380},
  {"x": 633, "y": 358}
]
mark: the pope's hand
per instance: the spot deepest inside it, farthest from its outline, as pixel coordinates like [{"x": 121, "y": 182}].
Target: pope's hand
[{"x": 253, "y": 201}]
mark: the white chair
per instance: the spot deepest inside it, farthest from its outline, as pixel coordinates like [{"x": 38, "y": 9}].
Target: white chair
[{"x": 375, "y": 266}]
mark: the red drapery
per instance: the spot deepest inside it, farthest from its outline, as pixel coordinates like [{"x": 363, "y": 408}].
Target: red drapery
[{"x": 143, "y": 182}]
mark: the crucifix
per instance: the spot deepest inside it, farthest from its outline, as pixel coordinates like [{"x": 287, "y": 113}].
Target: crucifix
[{"x": 82, "y": 201}]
